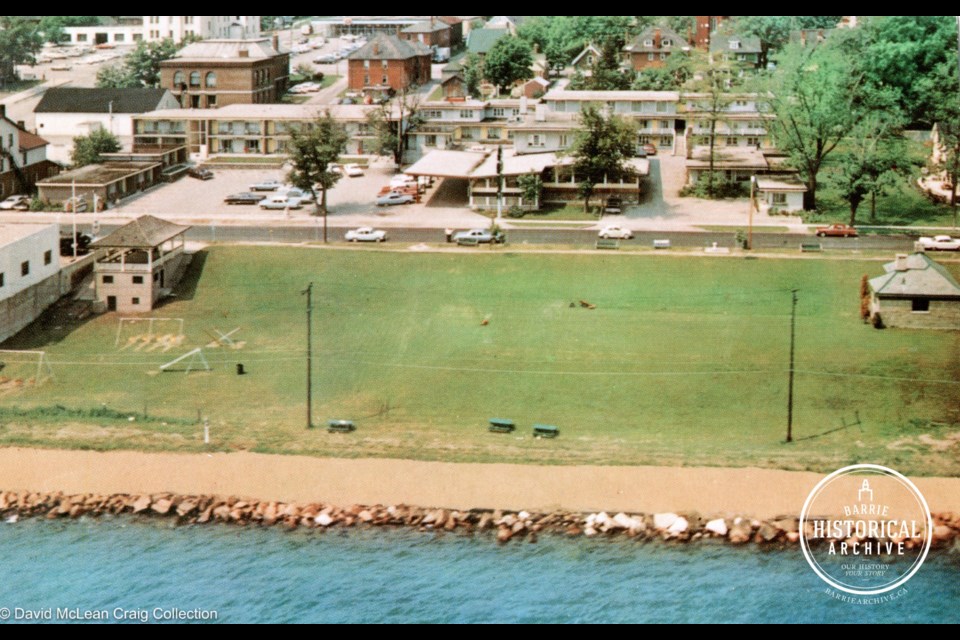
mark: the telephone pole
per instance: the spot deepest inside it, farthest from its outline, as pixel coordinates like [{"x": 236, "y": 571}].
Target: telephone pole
[
  {"x": 309, "y": 293},
  {"x": 793, "y": 335}
]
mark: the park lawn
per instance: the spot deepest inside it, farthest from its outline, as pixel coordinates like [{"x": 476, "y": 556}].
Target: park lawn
[{"x": 682, "y": 362}]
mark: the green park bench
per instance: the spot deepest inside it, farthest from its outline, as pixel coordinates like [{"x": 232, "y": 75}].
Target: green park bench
[
  {"x": 608, "y": 243},
  {"x": 502, "y": 425},
  {"x": 811, "y": 247},
  {"x": 341, "y": 426},
  {"x": 545, "y": 431}
]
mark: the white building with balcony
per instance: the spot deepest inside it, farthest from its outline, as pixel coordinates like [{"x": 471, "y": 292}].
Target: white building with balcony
[{"x": 123, "y": 30}]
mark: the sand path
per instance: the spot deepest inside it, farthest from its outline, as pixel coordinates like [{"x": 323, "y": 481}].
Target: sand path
[{"x": 756, "y": 492}]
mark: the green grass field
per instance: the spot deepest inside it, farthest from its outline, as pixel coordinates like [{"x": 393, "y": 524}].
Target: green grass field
[{"x": 683, "y": 361}]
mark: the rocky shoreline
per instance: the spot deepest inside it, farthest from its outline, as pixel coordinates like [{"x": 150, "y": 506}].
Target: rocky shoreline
[{"x": 504, "y": 526}]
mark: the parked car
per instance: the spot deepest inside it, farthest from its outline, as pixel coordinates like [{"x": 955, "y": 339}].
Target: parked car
[
  {"x": 481, "y": 236},
  {"x": 651, "y": 149},
  {"x": 353, "y": 170},
  {"x": 244, "y": 198},
  {"x": 403, "y": 180},
  {"x": 83, "y": 245},
  {"x": 614, "y": 231},
  {"x": 200, "y": 173},
  {"x": 614, "y": 205},
  {"x": 366, "y": 234},
  {"x": 78, "y": 204},
  {"x": 266, "y": 185},
  {"x": 305, "y": 197},
  {"x": 326, "y": 58},
  {"x": 21, "y": 203},
  {"x": 280, "y": 202},
  {"x": 394, "y": 198},
  {"x": 837, "y": 231},
  {"x": 936, "y": 243}
]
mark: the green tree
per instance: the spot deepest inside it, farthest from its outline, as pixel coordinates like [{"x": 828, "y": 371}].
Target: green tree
[
  {"x": 531, "y": 185},
  {"x": 140, "y": 68},
  {"x": 312, "y": 152},
  {"x": 712, "y": 103},
  {"x": 946, "y": 114},
  {"x": 606, "y": 74},
  {"x": 19, "y": 44},
  {"x": 508, "y": 62},
  {"x": 812, "y": 93},
  {"x": 472, "y": 74},
  {"x": 872, "y": 158},
  {"x": 391, "y": 121},
  {"x": 52, "y": 26},
  {"x": 602, "y": 146},
  {"x": 87, "y": 149}
]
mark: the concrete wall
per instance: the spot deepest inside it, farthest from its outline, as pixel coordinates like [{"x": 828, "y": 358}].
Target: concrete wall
[
  {"x": 33, "y": 249},
  {"x": 899, "y": 314},
  {"x": 19, "y": 310}
]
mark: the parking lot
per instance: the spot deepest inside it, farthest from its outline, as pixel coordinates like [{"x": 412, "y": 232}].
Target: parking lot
[{"x": 350, "y": 202}]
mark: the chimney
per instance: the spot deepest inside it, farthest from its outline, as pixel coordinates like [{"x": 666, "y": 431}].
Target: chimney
[
  {"x": 21, "y": 125},
  {"x": 275, "y": 42},
  {"x": 376, "y": 48},
  {"x": 657, "y": 37},
  {"x": 901, "y": 263}
]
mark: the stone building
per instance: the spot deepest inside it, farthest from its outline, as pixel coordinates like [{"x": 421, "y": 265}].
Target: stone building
[{"x": 915, "y": 293}]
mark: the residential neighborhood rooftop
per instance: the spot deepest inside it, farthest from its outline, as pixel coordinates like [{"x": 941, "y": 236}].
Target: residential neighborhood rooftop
[
  {"x": 29, "y": 141},
  {"x": 746, "y": 44},
  {"x": 729, "y": 157},
  {"x": 480, "y": 41},
  {"x": 225, "y": 50},
  {"x": 613, "y": 96},
  {"x": 384, "y": 47},
  {"x": 82, "y": 100},
  {"x": 916, "y": 274},
  {"x": 98, "y": 174},
  {"x": 652, "y": 35}
]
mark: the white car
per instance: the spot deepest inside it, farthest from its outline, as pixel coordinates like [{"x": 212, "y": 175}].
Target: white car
[
  {"x": 366, "y": 234},
  {"x": 15, "y": 202},
  {"x": 614, "y": 231},
  {"x": 403, "y": 180},
  {"x": 936, "y": 243},
  {"x": 353, "y": 170}
]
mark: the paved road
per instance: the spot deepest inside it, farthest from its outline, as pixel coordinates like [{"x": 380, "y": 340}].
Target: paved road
[{"x": 584, "y": 237}]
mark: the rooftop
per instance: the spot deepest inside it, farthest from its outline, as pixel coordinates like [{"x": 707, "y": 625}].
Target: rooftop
[
  {"x": 10, "y": 233},
  {"x": 727, "y": 158},
  {"x": 780, "y": 183},
  {"x": 99, "y": 174},
  {"x": 77, "y": 100},
  {"x": 219, "y": 50},
  {"x": 267, "y": 112},
  {"x": 30, "y": 141},
  {"x": 919, "y": 275},
  {"x": 447, "y": 164},
  {"x": 637, "y": 45},
  {"x": 427, "y": 27},
  {"x": 384, "y": 47},
  {"x": 480, "y": 41},
  {"x": 613, "y": 96},
  {"x": 720, "y": 43},
  {"x": 144, "y": 232}
]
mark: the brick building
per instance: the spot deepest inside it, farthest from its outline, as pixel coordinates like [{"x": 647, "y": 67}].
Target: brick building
[
  {"x": 652, "y": 47},
  {"x": 388, "y": 63},
  {"x": 215, "y": 73},
  {"x": 433, "y": 33},
  {"x": 703, "y": 27}
]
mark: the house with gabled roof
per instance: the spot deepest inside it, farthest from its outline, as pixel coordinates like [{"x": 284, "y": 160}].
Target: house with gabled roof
[
  {"x": 66, "y": 112},
  {"x": 23, "y": 158},
  {"x": 586, "y": 59},
  {"x": 433, "y": 33},
  {"x": 915, "y": 292},
  {"x": 387, "y": 63},
  {"x": 652, "y": 47},
  {"x": 480, "y": 41},
  {"x": 741, "y": 51}
]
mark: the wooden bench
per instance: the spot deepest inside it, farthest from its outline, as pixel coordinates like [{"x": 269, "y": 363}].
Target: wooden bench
[
  {"x": 661, "y": 244},
  {"x": 502, "y": 425},
  {"x": 341, "y": 426},
  {"x": 608, "y": 243},
  {"x": 811, "y": 247},
  {"x": 545, "y": 431}
]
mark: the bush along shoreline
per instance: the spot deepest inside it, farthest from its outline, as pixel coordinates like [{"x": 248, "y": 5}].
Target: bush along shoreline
[{"x": 502, "y": 526}]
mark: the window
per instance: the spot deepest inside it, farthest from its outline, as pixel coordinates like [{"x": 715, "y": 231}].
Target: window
[
  {"x": 135, "y": 301},
  {"x": 25, "y": 268},
  {"x": 383, "y": 63},
  {"x": 47, "y": 257},
  {"x": 741, "y": 57},
  {"x": 498, "y": 112},
  {"x": 651, "y": 56},
  {"x": 433, "y": 115},
  {"x": 366, "y": 64},
  {"x": 107, "y": 279},
  {"x": 779, "y": 198},
  {"x": 211, "y": 79},
  {"x": 648, "y": 43},
  {"x": 384, "y": 79},
  {"x": 667, "y": 42},
  {"x": 734, "y": 44},
  {"x": 194, "y": 78},
  {"x": 663, "y": 56},
  {"x": 920, "y": 305},
  {"x": 493, "y": 134},
  {"x": 661, "y": 107},
  {"x": 731, "y": 142},
  {"x": 154, "y": 19},
  {"x": 2, "y": 279},
  {"x": 188, "y": 19},
  {"x": 119, "y": 37},
  {"x": 366, "y": 80},
  {"x": 137, "y": 279},
  {"x": 211, "y": 101},
  {"x": 81, "y": 37},
  {"x": 753, "y": 142},
  {"x": 535, "y": 140},
  {"x": 466, "y": 114},
  {"x": 564, "y": 140}
]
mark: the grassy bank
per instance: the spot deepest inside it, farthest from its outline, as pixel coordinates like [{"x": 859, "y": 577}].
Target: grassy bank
[{"x": 683, "y": 361}]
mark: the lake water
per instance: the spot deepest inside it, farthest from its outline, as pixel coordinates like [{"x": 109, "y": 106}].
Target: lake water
[{"x": 153, "y": 569}]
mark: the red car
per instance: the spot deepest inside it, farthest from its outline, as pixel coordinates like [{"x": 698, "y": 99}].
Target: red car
[
  {"x": 650, "y": 149},
  {"x": 837, "y": 231}
]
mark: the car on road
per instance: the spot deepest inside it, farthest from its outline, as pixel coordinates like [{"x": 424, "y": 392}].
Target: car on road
[
  {"x": 280, "y": 202},
  {"x": 83, "y": 244},
  {"x": 394, "y": 198},
  {"x": 266, "y": 185},
  {"x": 480, "y": 236},
  {"x": 366, "y": 234},
  {"x": 353, "y": 170},
  {"x": 327, "y": 58},
  {"x": 936, "y": 243},
  {"x": 837, "y": 231},
  {"x": 244, "y": 198},
  {"x": 614, "y": 205},
  {"x": 650, "y": 149},
  {"x": 20, "y": 203},
  {"x": 305, "y": 197},
  {"x": 200, "y": 173},
  {"x": 614, "y": 231}
]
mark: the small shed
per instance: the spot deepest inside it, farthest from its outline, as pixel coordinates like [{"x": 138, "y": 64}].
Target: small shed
[
  {"x": 780, "y": 192},
  {"x": 916, "y": 293}
]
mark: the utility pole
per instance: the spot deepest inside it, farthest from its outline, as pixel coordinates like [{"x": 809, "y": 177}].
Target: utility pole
[
  {"x": 793, "y": 335},
  {"x": 499, "y": 183},
  {"x": 309, "y": 293}
]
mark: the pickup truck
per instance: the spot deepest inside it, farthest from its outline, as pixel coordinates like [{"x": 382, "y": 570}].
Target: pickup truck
[{"x": 940, "y": 243}]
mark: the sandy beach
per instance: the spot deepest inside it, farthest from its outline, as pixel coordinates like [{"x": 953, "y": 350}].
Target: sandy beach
[{"x": 756, "y": 492}]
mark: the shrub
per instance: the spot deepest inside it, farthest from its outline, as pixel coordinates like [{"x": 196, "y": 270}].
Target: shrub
[{"x": 516, "y": 212}]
